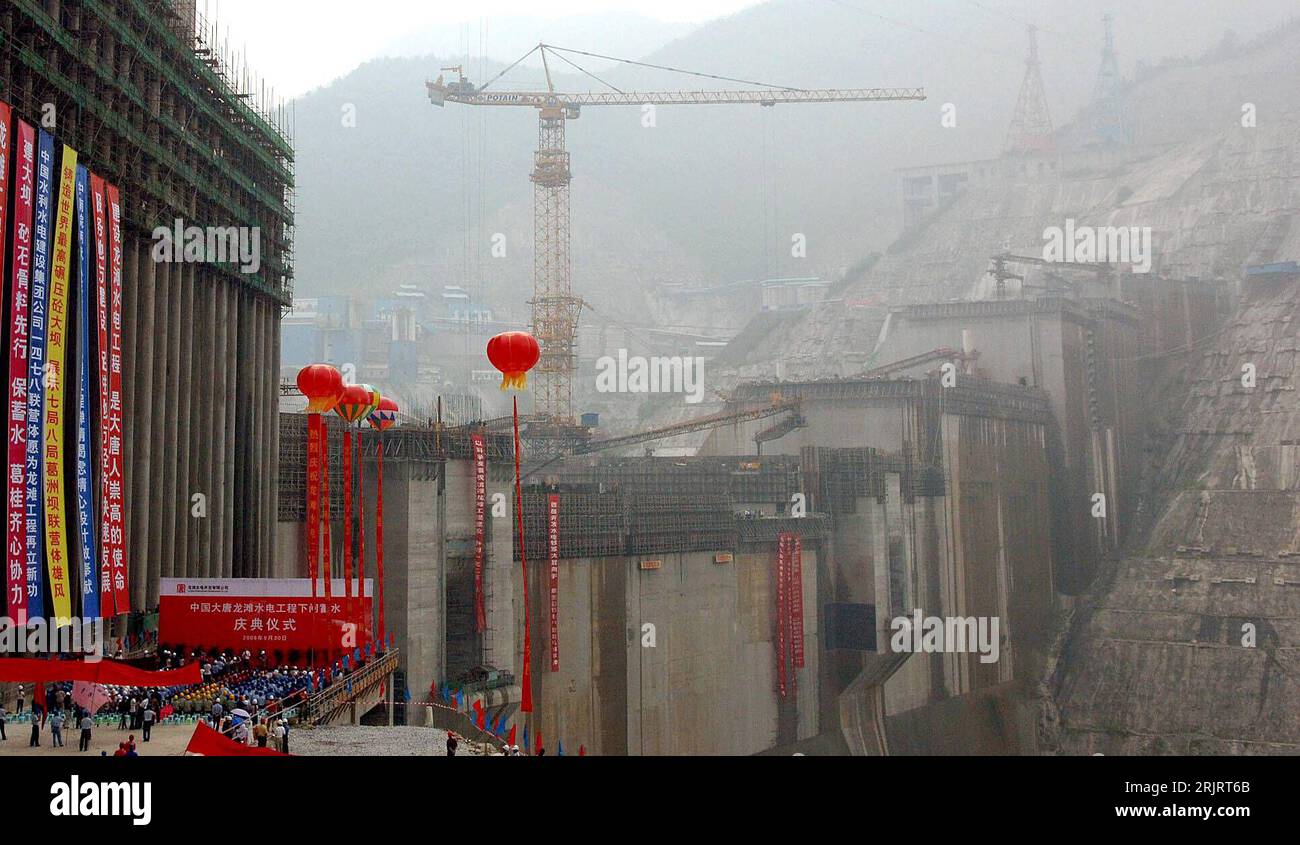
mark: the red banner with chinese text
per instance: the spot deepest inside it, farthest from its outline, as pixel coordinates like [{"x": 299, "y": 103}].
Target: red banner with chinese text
[
  {"x": 102, "y": 306},
  {"x": 782, "y": 618},
  {"x": 347, "y": 512},
  {"x": 25, "y": 175},
  {"x": 115, "y": 550},
  {"x": 796, "y": 600},
  {"x": 379, "y": 535},
  {"x": 480, "y": 524},
  {"x": 313, "y": 499},
  {"x": 325, "y": 505},
  {"x": 553, "y": 554},
  {"x": 257, "y": 614}
]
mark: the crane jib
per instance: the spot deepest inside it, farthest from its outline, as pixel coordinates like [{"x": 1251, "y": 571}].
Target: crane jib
[{"x": 635, "y": 98}]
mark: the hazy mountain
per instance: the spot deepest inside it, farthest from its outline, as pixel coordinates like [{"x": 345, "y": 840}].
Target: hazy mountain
[{"x": 413, "y": 193}]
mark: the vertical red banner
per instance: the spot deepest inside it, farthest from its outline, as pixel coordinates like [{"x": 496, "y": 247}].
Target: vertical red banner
[
  {"x": 361, "y": 517},
  {"x": 347, "y": 512},
  {"x": 325, "y": 507},
  {"x": 313, "y": 498},
  {"x": 115, "y": 511},
  {"x": 553, "y": 555},
  {"x": 103, "y": 308},
  {"x": 480, "y": 524},
  {"x": 25, "y": 174},
  {"x": 782, "y": 618},
  {"x": 796, "y": 599},
  {"x": 379, "y": 535}
]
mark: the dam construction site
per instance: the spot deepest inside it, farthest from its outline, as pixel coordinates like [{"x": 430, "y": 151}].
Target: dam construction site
[{"x": 951, "y": 411}]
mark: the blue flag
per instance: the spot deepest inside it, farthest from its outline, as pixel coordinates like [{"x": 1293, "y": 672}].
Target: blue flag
[
  {"x": 559, "y": 749},
  {"x": 528, "y": 748},
  {"x": 407, "y": 694}
]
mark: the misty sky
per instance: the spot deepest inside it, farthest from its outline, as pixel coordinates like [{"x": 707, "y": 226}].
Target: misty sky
[{"x": 297, "y": 45}]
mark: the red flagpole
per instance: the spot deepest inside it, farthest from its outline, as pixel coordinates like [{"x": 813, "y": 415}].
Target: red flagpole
[{"x": 526, "y": 704}]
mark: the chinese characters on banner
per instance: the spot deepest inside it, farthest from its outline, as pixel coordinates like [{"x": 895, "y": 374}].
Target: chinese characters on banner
[
  {"x": 85, "y": 491},
  {"x": 32, "y": 523},
  {"x": 782, "y": 582},
  {"x": 480, "y": 526},
  {"x": 796, "y": 599},
  {"x": 115, "y": 507},
  {"x": 100, "y": 229},
  {"x": 789, "y": 610},
  {"x": 271, "y": 614},
  {"x": 16, "y": 580},
  {"x": 314, "y": 425},
  {"x": 56, "y": 546},
  {"x": 553, "y": 554}
]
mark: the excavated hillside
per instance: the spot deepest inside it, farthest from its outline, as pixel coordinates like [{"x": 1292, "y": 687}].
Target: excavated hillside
[
  {"x": 1193, "y": 645},
  {"x": 1216, "y": 195}
]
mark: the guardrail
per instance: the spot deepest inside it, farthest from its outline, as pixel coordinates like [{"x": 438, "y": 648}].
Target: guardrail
[{"x": 323, "y": 707}]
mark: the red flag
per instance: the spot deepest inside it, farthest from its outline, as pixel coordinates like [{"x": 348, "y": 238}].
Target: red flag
[
  {"x": 207, "y": 742},
  {"x": 510, "y": 740},
  {"x": 90, "y": 696},
  {"x": 479, "y": 714},
  {"x": 582, "y": 751},
  {"x": 539, "y": 742},
  {"x": 38, "y": 698}
]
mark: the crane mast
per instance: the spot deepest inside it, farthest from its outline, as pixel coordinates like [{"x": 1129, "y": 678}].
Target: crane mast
[{"x": 555, "y": 309}]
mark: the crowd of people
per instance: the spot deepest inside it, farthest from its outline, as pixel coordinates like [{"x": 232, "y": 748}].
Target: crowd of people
[{"x": 241, "y": 695}]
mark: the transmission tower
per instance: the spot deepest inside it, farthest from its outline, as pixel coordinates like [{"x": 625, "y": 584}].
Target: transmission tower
[
  {"x": 1107, "y": 103},
  {"x": 1031, "y": 125}
]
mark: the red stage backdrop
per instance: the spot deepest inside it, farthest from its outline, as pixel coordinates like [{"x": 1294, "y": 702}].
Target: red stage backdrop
[{"x": 259, "y": 613}]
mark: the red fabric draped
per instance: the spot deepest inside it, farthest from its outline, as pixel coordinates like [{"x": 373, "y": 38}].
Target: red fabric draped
[
  {"x": 209, "y": 743},
  {"x": 16, "y": 669}
]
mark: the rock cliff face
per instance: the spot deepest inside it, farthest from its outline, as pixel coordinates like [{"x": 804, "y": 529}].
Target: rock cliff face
[{"x": 1191, "y": 642}]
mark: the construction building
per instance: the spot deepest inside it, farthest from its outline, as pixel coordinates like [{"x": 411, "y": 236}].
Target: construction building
[{"x": 141, "y": 91}]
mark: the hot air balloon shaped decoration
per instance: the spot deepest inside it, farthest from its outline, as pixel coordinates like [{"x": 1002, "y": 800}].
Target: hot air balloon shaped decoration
[{"x": 514, "y": 354}]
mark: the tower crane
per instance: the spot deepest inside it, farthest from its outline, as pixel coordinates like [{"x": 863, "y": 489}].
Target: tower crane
[{"x": 555, "y": 308}]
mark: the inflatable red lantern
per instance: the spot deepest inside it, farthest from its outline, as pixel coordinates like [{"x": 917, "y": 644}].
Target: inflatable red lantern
[
  {"x": 322, "y": 385},
  {"x": 514, "y": 354}
]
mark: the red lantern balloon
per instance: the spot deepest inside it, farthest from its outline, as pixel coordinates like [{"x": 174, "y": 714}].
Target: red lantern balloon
[
  {"x": 322, "y": 385},
  {"x": 385, "y": 415},
  {"x": 354, "y": 403},
  {"x": 514, "y": 354}
]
